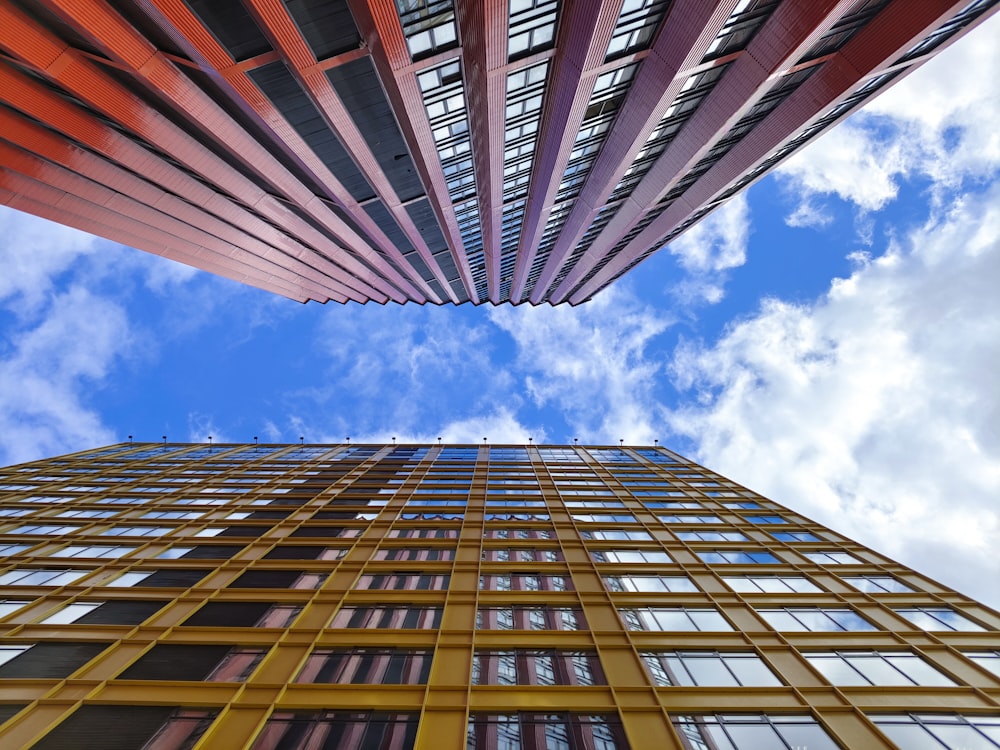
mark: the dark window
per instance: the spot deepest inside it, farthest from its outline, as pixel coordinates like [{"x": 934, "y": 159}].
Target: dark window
[
  {"x": 8, "y": 710},
  {"x": 278, "y": 579},
  {"x": 290, "y": 552},
  {"x": 212, "y": 552},
  {"x": 359, "y": 88},
  {"x": 243, "y": 615},
  {"x": 284, "y": 91},
  {"x": 175, "y": 578},
  {"x": 326, "y": 25},
  {"x": 134, "y": 727},
  {"x": 235, "y": 29},
  {"x": 321, "y": 532},
  {"x": 125, "y": 612},
  {"x": 51, "y": 661},
  {"x": 169, "y": 661},
  {"x": 254, "y": 531}
]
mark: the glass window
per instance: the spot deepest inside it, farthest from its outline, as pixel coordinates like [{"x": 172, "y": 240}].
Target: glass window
[
  {"x": 793, "y": 619},
  {"x": 602, "y": 518},
  {"x": 616, "y": 535},
  {"x": 524, "y": 582},
  {"x": 989, "y": 660},
  {"x": 708, "y": 668},
  {"x": 549, "y": 730},
  {"x": 40, "y": 577},
  {"x": 878, "y": 584},
  {"x": 766, "y": 519},
  {"x": 690, "y": 519},
  {"x": 414, "y": 581},
  {"x": 937, "y": 618},
  {"x": 521, "y": 554},
  {"x": 710, "y": 536},
  {"x": 529, "y": 618},
  {"x": 630, "y": 556},
  {"x": 751, "y": 732},
  {"x": 101, "y": 550},
  {"x": 70, "y": 613},
  {"x": 361, "y": 729},
  {"x": 387, "y": 616},
  {"x": 366, "y": 666},
  {"x": 771, "y": 584},
  {"x": 86, "y": 513},
  {"x": 137, "y": 531},
  {"x": 875, "y": 668},
  {"x": 516, "y": 516},
  {"x": 673, "y": 618},
  {"x": 45, "y": 529},
  {"x": 9, "y": 606},
  {"x": 795, "y": 536},
  {"x": 831, "y": 557},
  {"x": 940, "y": 731},
  {"x": 528, "y": 667},
  {"x": 12, "y": 549},
  {"x": 10, "y": 651},
  {"x": 737, "y": 557},
  {"x": 425, "y": 554},
  {"x": 649, "y": 584},
  {"x": 420, "y": 533}
]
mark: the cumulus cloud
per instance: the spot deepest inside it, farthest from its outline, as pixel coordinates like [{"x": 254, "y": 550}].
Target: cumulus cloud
[
  {"x": 499, "y": 426},
  {"x": 709, "y": 249},
  {"x": 939, "y": 123},
  {"x": 46, "y": 373},
  {"x": 391, "y": 371},
  {"x": 873, "y": 409},
  {"x": 33, "y": 253},
  {"x": 590, "y": 362}
]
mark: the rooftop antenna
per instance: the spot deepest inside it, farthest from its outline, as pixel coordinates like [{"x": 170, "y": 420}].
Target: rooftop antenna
[
  {"x": 439, "y": 441},
  {"x": 656, "y": 442},
  {"x": 574, "y": 441},
  {"x": 393, "y": 439},
  {"x": 130, "y": 440},
  {"x": 301, "y": 440},
  {"x": 164, "y": 442},
  {"x": 348, "y": 439},
  {"x": 209, "y": 443},
  {"x": 484, "y": 441},
  {"x": 255, "y": 440},
  {"x": 621, "y": 442},
  {"x": 529, "y": 439}
]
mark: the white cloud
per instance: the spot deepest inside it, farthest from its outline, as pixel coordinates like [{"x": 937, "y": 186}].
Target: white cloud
[
  {"x": 873, "y": 410},
  {"x": 392, "y": 371},
  {"x": 939, "y": 123},
  {"x": 46, "y": 374},
  {"x": 590, "y": 363},
  {"x": 32, "y": 253},
  {"x": 201, "y": 427},
  {"x": 717, "y": 243},
  {"x": 499, "y": 426},
  {"x": 709, "y": 249}
]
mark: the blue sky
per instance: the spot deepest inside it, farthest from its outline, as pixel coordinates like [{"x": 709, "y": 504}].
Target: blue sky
[{"x": 830, "y": 339}]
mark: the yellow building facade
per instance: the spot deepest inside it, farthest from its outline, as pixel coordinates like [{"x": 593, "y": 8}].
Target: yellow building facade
[{"x": 285, "y": 597}]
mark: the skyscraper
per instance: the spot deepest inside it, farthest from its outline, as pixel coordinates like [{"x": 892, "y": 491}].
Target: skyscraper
[
  {"x": 436, "y": 151},
  {"x": 166, "y": 596}
]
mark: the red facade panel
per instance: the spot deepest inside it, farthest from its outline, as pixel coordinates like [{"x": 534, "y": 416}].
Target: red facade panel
[{"x": 180, "y": 152}]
